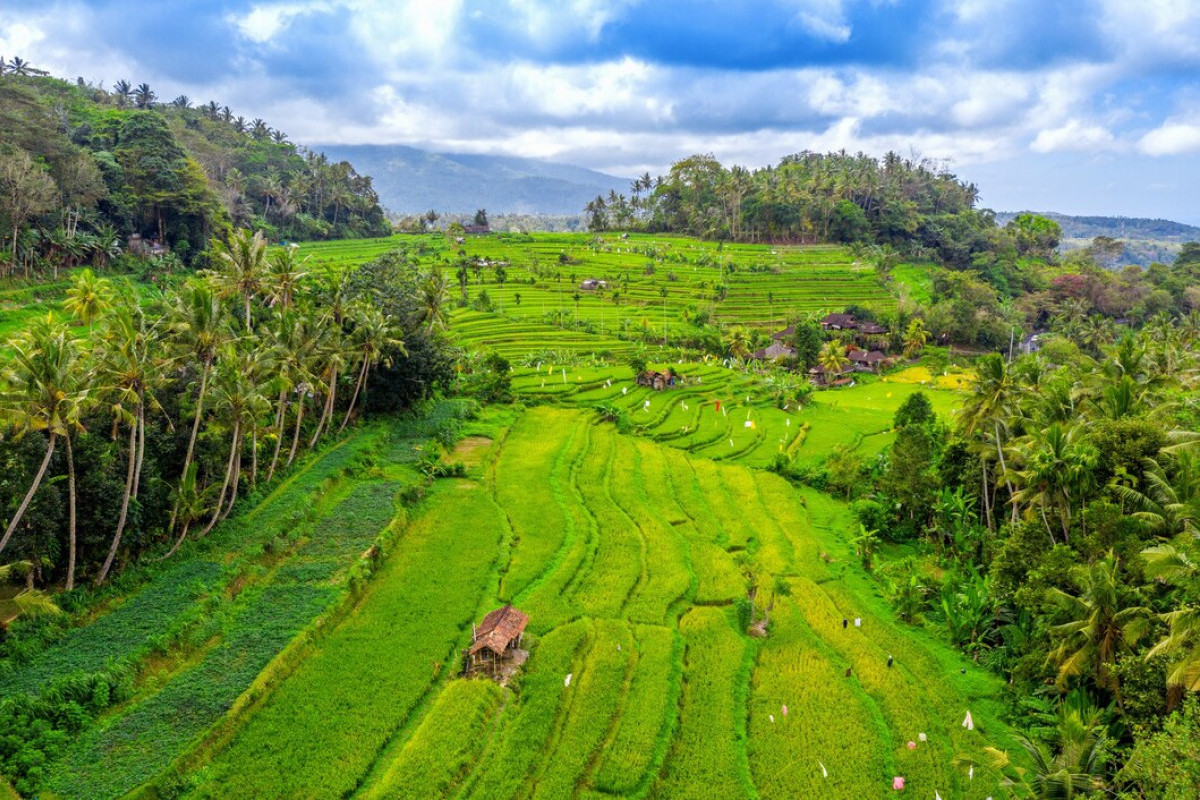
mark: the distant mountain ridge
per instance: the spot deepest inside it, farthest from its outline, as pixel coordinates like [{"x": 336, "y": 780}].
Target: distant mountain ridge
[
  {"x": 410, "y": 181},
  {"x": 1159, "y": 230}
]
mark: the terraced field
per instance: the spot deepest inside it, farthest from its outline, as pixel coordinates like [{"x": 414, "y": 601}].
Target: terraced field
[
  {"x": 654, "y": 283},
  {"x": 629, "y": 557},
  {"x": 728, "y": 414}
]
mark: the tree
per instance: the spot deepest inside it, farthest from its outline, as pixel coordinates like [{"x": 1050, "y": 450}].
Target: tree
[
  {"x": 374, "y": 338},
  {"x": 915, "y": 338},
  {"x": 88, "y": 297},
  {"x": 283, "y": 277},
  {"x": 1175, "y": 565},
  {"x": 1102, "y": 624},
  {"x": 481, "y": 217},
  {"x": 807, "y": 341},
  {"x": 26, "y": 190},
  {"x": 433, "y": 297},
  {"x": 241, "y": 268},
  {"x": 143, "y": 96},
  {"x": 832, "y": 358},
  {"x": 993, "y": 404},
  {"x": 738, "y": 344},
  {"x": 45, "y": 384},
  {"x": 1055, "y": 465}
]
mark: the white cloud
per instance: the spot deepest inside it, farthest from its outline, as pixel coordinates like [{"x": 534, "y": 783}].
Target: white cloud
[
  {"x": 264, "y": 22},
  {"x": 1171, "y": 138},
  {"x": 1075, "y": 135},
  {"x": 825, "y": 19}
]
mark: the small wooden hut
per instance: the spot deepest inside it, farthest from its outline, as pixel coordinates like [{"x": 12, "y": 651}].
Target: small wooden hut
[
  {"x": 656, "y": 380},
  {"x": 492, "y": 640}
]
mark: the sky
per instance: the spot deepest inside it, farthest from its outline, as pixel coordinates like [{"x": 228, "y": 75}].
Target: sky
[{"x": 1076, "y": 106}]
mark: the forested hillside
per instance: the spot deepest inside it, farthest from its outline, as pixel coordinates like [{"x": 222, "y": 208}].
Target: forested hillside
[{"x": 82, "y": 168}]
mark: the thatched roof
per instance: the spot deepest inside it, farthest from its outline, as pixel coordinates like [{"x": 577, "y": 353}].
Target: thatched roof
[{"x": 498, "y": 629}]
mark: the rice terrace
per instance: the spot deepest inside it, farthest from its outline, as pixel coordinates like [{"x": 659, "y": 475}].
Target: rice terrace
[{"x": 813, "y": 479}]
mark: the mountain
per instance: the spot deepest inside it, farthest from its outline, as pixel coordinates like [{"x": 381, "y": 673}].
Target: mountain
[
  {"x": 410, "y": 181},
  {"x": 1146, "y": 240}
]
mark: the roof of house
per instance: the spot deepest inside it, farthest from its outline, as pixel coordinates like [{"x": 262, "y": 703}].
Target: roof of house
[
  {"x": 775, "y": 350},
  {"x": 869, "y": 357},
  {"x": 871, "y": 327},
  {"x": 841, "y": 320},
  {"x": 498, "y": 629},
  {"x": 790, "y": 330}
]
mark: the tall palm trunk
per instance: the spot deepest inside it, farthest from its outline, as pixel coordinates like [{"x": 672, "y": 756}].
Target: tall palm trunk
[
  {"x": 129, "y": 472},
  {"x": 237, "y": 477},
  {"x": 987, "y": 498},
  {"x": 233, "y": 453},
  {"x": 33, "y": 487},
  {"x": 249, "y": 326},
  {"x": 178, "y": 542},
  {"x": 280, "y": 416},
  {"x": 296, "y": 432},
  {"x": 141, "y": 447},
  {"x": 362, "y": 378},
  {"x": 1004, "y": 471},
  {"x": 254, "y": 455},
  {"x": 187, "y": 459},
  {"x": 70, "y": 513},
  {"x": 327, "y": 413}
]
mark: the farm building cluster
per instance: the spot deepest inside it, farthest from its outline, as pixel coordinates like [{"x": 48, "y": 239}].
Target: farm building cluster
[{"x": 865, "y": 355}]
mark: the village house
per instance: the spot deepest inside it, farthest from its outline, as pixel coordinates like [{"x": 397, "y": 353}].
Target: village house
[
  {"x": 786, "y": 333},
  {"x": 839, "y": 322},
  {"x": 494, "y": 639},
  {"x": 775, "y": 350},
  {"x": 592, "y": 284},
  {"x": 866, "y": 360}
]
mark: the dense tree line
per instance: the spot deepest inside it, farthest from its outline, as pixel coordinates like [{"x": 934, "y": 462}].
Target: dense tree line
[
  {"x": 83, "y": 167},
  {"x": 1061, "y": 509},
  {"x": 146, "y": 430}
]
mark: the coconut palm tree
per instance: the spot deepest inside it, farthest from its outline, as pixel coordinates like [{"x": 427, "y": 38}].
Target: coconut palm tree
[
  {"x": 123, "y": 89},
  {"x": 373, "y": 339},
  {"x": 1053, "y": 463},
  {"x": 833, "y": 359},
  {"x": 237, "y": 400},
  {"x": 739, "y": 342},
  {"x": 284, "y": 276},
  {"x": 993, "y": 408},
  {"x": 196, "y": 321},
  {"x": 45, "y": 383},
  {"x": 88, "y": 297},
  {"x": 1175, "y": 565},
  {"x": 131, "y": 363},
  {"x": 190, "y": 503},
  {"x": 1102, "y": 624},
  {"x": 143, "y": 96},
  {"x": 915, "y": 338},
  {"x": 241, "y": 268},
  {"x": 1169, "y": 504},
  {"x": 433, "y": 297}
]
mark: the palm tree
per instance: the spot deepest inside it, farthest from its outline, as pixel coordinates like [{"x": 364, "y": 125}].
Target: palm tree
[
  {"x": 994, "y": 405},
  {"x": 915, "y": 338},
  {"x": 739, "y": 342},
  {"x": 292, "y": 344},
  {"x": 190, "y": 503},
  {"x": 1167, "y": 506},
  {"x": 88, "y": 297},
  {"x": 45, "y": 381},
  {"x": 1174, "y": 565},
  {"x": 182, "y": 102},
  {"x": 1054, "y": 463},
  {"x": 242, "y": 264},
  {"x": 197, "y": 323},
  {"x": 433, "y": 298},
  {"x": 30, "y": 602},
  {"x": 373, "y": 337},
  {"x": 237, "y": 400},
  {"x": 865, "y": 545},
  {"x": 132, "y": 366},
  {"x": 1101, "y": 626},
  {"x": 143, "y": 97},
  {"x": 832, "y": 358},
  {"x": 284, "y": 276},
  {"x": 123, "y": 89}
]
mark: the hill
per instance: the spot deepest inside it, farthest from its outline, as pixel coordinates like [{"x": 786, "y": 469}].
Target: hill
[
  {"x": 1144, "y": 241},
  {"x": 410, "y": 181},
  {"x": 83, "y": 168}
]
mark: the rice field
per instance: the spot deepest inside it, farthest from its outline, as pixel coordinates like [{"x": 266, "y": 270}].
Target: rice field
[
  {"x": 654, "y": 285},
  {"x": 629, "y": 556}
]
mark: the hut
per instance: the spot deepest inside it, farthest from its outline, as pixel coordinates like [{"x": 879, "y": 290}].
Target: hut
[
  {"x": 496, "y": 637},
  {"x": 592, "y": 284},
  {"x": 786, "y": 333},
  {"x": 866, "y": 360},
  {"x": 656, "y": 380}
]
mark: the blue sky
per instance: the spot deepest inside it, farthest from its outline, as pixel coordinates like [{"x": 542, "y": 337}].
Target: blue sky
[{"x": 1079, "y": 106}]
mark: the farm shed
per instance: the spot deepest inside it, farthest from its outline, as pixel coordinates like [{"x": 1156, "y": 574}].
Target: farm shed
[
  {"x": 500, "y": 632},
  {"x": 656, "y": 380},
  {"x": 592, "y": 284},
  {"x": 866, "y": 361},
  {"x": 786, "y": 333}
]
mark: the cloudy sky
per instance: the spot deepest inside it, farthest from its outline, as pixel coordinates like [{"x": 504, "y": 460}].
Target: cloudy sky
[{"x": 1079, "y": 106}]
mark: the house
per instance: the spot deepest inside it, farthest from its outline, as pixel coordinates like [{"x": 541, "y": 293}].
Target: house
[
  {"x": 477, "y": 230},
  {"x": 786, "y": 333},
  {"x": 495, "y": 637},
  {"x": 871, "y": 329},
  {"x": 866, "y": 360},
  {"x": 656, "y": 380},
  {"x": 774, "y": 351},
  {"x": 820, "y": 377},
  {"x": 591, "y": 285},
  {"x": 1030, "y": 344},
  {"x": 839, "y": 322},
  {"x": 146, "y": 247}
]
